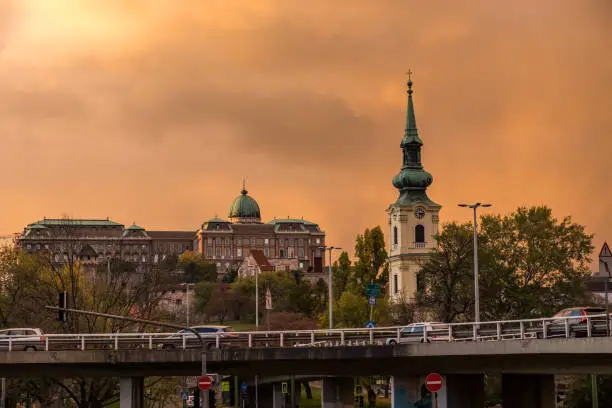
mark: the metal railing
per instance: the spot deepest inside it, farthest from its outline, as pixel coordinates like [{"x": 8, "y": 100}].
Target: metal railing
[{"x": 506, "y": 330}]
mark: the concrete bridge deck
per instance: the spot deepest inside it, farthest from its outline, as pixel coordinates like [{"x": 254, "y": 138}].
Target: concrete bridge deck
[{"x": 558, "y": 356}]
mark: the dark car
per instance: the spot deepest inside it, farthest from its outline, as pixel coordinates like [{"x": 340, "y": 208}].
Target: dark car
[{"x": 576, "y": 318}]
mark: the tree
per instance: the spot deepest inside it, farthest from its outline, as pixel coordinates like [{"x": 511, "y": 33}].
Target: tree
[
  {"x": 445, "y": 282},
  {"x": 352, "y": 310},
  {"x": 196, "y": 268},
  {"x": 341, "y": 274},
  {"x": 371, "y": 254},
  {"x": 579, "y": 393},
  {"x": 530, "y": 265},
  {"x": 30, "y": 282}
]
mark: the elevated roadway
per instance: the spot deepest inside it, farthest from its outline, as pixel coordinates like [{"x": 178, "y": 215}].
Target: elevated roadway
[{"x": 554, "y": 356}]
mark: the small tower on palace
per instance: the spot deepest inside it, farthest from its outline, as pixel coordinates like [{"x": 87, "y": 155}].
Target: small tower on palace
[{"x": 413, "y": 218}]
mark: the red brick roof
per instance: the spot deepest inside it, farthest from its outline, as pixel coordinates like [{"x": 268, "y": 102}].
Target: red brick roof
[{"x": 261, "y": 260}]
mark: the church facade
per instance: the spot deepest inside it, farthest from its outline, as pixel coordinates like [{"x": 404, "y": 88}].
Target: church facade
[{"x": 413, "y": 218}]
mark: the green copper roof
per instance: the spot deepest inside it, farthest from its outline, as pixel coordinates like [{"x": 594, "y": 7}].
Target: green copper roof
[
  {"x": 412, "y": 180},
  {"x": 411, "y": 133},
  {"x": 76, "y": 222},
  {"x": 244, "y": 206},
  {"x": 135, "y": 227},
  {"x": 37, "y": 226},
  {"x": 290, "y": 220},
  {"x": 216, "y": 219}
]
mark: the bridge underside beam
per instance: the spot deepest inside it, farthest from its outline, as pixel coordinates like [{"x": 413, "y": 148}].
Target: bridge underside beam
[
  {"x": 528, "y": 390},
  {"x": 131, "y": 392}
]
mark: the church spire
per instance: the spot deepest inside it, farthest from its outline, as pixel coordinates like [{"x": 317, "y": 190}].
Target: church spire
[
  {"x": 412, "y": 180},
  {"x": 411, "y": 133}
]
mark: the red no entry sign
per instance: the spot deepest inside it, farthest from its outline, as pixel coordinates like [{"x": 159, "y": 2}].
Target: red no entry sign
[
  {"x": 205, "y": 382},
  {"x": 433, "y": 382}
]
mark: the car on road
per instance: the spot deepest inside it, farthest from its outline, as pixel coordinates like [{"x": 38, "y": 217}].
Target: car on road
[
  {"x": 208, "y": 333},
  {"x": 22, "y": 339},
  {"x": 577, "y": 322},
  {"x": 425, "y": 332}
]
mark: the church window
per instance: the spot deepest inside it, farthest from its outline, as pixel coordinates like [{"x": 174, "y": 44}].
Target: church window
[
  {"x": 395, "y": 284},
  {"x": 394, "y": 235},
  {"x": 419, "y": 234}
]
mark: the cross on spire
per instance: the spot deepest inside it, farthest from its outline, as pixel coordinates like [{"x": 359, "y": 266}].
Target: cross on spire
[{"x": 409, "y": 73}]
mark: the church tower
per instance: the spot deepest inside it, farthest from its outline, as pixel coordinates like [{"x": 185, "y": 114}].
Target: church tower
[{"x": 413, "y": 218}]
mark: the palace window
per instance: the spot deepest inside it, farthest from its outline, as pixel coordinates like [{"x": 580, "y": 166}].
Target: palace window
[
  {"x": 282, "y": 253},
  {"x": 252, "y": 241},
  {"x": 227, "y": 253},
  {"x": 267, "y": 251},
  {"x": 266, "y": 241},
  {"x": 218, "y": 252},
  {"x": 301, "y": 253},
  {"x": 395, "y": 285},
  {"x": 281, "y": 241},
  {"x": 218, "y": 241},
  {"x": 239, "y": 252},
  {"x": 209, "y": 252}
]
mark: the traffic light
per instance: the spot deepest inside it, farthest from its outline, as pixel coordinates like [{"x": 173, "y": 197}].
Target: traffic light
[{"x": 62, "y": 304}]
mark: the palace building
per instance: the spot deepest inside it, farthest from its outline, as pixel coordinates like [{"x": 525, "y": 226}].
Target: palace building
[
  {"x": 289, "y": 243},
  {"x": 413, "y": 218}
]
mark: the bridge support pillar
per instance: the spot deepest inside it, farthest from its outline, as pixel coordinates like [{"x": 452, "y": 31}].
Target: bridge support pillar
[
  {"x": 528, "y": 390},
  {"x": 463, "y": 391},
  {"x": 131, "y": 392},
  {"x": 338, "y": 392}
]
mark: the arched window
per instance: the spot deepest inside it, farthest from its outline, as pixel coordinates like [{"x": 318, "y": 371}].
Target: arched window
[
  {"x": 419, "y": 234},
  {"x": 394, "y": 235}
]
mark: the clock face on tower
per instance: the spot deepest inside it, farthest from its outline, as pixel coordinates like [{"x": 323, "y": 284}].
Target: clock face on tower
[{"x": 419, "y": 212}]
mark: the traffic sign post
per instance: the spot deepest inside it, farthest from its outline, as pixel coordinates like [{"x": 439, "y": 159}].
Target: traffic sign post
[
  {"x": 433, "y": 382},
  {"x": 370, "y": 325},
  {"x": 205, "y": 382},
  {"x": 373, "y": 289},
  {"x": 372, "y": 300}
]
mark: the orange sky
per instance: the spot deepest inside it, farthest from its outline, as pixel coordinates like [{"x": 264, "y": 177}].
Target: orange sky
[{"x": 153, "y": 112}]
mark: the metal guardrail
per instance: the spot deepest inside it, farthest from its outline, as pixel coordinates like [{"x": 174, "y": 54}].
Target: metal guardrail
[{"x": 562, "y": 327}]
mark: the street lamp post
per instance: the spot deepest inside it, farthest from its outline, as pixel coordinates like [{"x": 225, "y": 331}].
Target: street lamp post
[
  {"x": 329, "y": 285},
  {"x": 606, "y": 298},
  {"x": 256, "y": 299},
  {"x": 476, "y": 292}
]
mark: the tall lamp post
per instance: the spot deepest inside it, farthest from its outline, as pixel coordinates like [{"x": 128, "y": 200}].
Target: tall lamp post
[
  {"x": 476, "y": 292},
  {"x": 329, "y": 285},
  {"x": 606, "y": 295}
]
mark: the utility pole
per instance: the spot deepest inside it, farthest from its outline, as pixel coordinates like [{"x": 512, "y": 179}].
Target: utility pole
[{"x": 330, "y": 294}]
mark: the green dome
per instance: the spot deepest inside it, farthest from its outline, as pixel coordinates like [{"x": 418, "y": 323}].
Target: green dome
[
  {"x": 417, "y": 179},
  {"x": 245, "y": 208}
]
